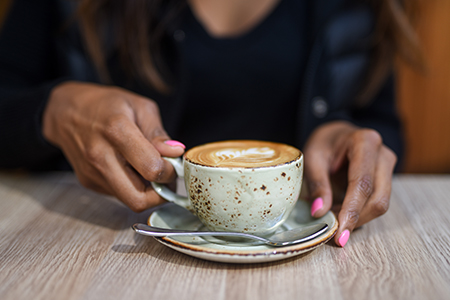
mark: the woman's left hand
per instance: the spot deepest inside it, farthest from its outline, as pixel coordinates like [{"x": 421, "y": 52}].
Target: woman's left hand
[{"x": 342, "y": 148}]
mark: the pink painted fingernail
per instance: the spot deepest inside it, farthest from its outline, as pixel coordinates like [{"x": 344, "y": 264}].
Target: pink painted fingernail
[
  {"x": 175, "y": 144},
  {"x": 344, "y": 237},
  {"x": 316, "y": 205}
]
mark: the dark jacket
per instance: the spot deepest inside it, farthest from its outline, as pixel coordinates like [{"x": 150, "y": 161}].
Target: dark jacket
[{"x": 36, "y": 54}]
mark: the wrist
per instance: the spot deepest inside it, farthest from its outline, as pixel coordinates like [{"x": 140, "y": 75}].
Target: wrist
[{"x": 49, "y": 115}]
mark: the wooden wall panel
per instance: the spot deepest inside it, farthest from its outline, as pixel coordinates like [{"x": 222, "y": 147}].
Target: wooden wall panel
[{"x": 424, "y": 99}]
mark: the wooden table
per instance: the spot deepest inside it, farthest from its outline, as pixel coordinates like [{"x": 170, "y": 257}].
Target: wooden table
[{"x": 61, "y": 241}]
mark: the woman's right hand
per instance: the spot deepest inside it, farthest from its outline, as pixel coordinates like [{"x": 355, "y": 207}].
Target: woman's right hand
[{"x": 114, "y": 140}]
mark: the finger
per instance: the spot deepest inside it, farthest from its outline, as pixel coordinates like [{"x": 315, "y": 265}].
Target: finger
[
  {"x": 138, "y": 151},
  {"x": 149, "y": 121},
  {"x": 362, "y": 155},
  {"x": 146, "y": 196},
  {"x": 92, "y": 179},
  {"x": 378, "y": 203},
  {"x": 317, "y": 179},
  {"x": 86, "y": 173},
  {"x": 127, "y": 185}
]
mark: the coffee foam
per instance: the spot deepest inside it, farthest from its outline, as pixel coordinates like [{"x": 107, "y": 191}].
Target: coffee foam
[{"x": 242, "y": 153}]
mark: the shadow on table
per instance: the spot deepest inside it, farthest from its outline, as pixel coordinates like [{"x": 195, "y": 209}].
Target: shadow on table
[{"x": 151, "y": 247}]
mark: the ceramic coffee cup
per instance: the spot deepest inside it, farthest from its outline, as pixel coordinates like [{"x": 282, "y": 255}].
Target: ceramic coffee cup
[{"x": 243, "y": 186}]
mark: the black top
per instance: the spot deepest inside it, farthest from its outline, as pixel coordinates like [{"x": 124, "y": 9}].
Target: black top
[
  {"x": 300, "y": 67},
  {"x": 246, "y": 87}
]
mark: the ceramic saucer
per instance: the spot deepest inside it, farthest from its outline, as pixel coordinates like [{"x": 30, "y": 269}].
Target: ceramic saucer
[{"x": 216, "y": 249}]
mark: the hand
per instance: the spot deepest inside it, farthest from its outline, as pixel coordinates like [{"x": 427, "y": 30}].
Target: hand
[
  {"x": 356, "y": 157},
  {"x": 113, "y": 139}
]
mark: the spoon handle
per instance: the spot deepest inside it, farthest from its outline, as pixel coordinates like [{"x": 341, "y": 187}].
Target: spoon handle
[
  {"x": 294, "y": 236},
  {"x": 160, "y": 232}
]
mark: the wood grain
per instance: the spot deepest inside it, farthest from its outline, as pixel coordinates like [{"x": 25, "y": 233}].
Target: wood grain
[
  {"x": 424, "y": 99},
  {"x": 61, "y": 241}
]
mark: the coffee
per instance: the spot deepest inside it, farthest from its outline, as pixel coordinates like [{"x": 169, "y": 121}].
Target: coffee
[{"x": 242, "y": 154}]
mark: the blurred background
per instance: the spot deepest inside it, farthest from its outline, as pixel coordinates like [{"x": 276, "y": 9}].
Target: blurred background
[{"x": 424, "y": 98}]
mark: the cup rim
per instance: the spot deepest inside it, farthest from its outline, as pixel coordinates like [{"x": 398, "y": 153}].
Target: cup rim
[{"x": 299, "y": 157}]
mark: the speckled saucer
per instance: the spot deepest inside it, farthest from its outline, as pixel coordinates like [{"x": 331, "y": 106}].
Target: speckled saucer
[{"x": 221, "y": 250}]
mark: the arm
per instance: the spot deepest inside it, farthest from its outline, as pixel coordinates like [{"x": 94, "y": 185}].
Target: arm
[
  {"x": 26, "y": 79},
  {"x": 112, "y": 138}
]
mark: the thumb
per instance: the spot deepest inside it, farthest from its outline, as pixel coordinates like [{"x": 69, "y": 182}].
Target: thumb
[
  {"x": 318, "y": 183},
  {"x": 149, "y": 120},
  {"x": 171, "y": 148}
]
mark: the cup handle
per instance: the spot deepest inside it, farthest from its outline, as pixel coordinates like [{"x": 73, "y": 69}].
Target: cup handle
[{"x": 168, "y": 194}]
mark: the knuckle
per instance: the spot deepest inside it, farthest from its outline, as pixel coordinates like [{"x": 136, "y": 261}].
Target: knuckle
[
  {"x": 114, "y": 126},
  {"x": 353, "y": 217},
  {"x": 155, "y": 170},
  {"x": 369, "y": 135},
  {"x": 158, "y": 133},
  {"x": 364, "y": 185},
  {"x": 138, "y": 205},
  {"x": 149, "y": 106},
  {"x": 143, "y": 202},
  {"x": 94, "y": 156},
  {"x": 314, "y": 186},
  {"x": 390, "y": 155},
  {"x": 381, "y": 206}
]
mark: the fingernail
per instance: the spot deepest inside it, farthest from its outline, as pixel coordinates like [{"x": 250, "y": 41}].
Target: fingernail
[
  {"x": 175, "y": 144},
  {"x": 344, "y": 238},
  {"x": 316, "y": 205}
]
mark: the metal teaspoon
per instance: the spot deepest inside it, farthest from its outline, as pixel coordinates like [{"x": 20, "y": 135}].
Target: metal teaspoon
[{"x": 289, "y": 237}]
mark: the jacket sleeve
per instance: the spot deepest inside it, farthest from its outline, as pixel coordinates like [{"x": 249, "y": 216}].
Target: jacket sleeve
[
  {"x": 27, "y": 76},
  {"x": 382, "y": 115},
  {"x": 338, "y": 67}
]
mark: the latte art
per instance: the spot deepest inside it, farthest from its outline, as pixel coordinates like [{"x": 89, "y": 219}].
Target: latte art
[
  {"x": 246, "y": 153},
  {"x": 261, "y": 153}
]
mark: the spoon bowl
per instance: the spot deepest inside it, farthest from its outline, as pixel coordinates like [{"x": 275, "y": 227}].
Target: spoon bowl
[{"x": 285, "y": 238}]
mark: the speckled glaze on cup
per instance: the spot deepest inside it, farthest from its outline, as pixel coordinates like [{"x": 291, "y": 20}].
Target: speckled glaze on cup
[{"x": 243, "y": 199}]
